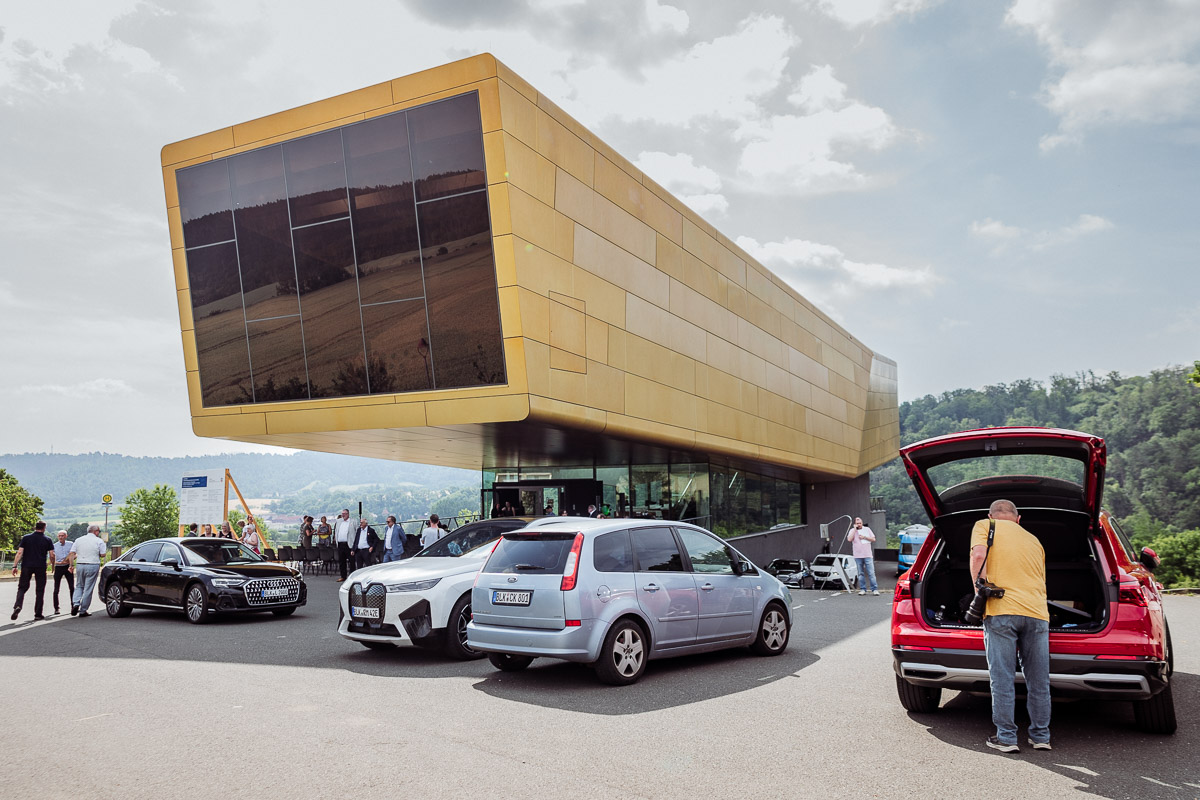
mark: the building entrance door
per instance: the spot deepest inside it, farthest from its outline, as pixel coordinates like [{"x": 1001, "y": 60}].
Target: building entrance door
[{"x": 538, "y": 497}]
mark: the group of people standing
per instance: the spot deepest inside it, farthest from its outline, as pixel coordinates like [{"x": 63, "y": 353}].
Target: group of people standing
[
  {"x": 70, "y": 560},
  {"x": 247, "y": 533},
  {"x": 360, "y": 545}
]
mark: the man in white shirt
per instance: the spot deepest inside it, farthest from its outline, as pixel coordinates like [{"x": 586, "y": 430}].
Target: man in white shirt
[
  {"x": 62, "y": 568},
  {"x": 343, "y": 532},
  {"x": 863, "y": 540},
  {"x": 86, "y": 554},
  {"x": 393, "y": 541}
]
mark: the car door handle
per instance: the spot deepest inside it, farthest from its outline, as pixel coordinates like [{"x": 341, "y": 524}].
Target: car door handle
[
  {"x": 708, "y": 587},
  {"x": 650, "y": 587}
]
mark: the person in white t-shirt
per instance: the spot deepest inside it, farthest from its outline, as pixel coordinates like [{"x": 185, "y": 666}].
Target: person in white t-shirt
[
  {"x": 863, "y": 543},
  {"x": 431, "y": 532}
]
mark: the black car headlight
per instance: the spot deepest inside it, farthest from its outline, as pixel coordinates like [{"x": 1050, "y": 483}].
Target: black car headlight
[{"x": 228, "y": 583}]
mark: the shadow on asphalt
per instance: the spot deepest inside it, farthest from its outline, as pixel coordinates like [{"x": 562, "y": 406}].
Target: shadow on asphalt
[
  {"x": 667, "y": 683},
  {"x": 309, "y": 639},
  {"x": 1140, "y": 765}
]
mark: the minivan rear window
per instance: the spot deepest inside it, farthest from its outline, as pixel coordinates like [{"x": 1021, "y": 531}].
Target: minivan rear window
[
  {"x": 656, "y": 550},
  {"x": 611, "y": 553},
  {"x": 531, "y": 554}
]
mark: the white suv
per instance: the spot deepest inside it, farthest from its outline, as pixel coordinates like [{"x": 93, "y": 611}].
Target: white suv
[{"x": 424, "y": 600}]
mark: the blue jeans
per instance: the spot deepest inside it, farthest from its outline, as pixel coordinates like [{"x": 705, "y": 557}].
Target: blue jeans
[
  {"x": 395, "y": 554},
  {"x": 866, "y": 569},
  {"x": 85, "y": 582},
  {"x": 1005, "y": 636}
]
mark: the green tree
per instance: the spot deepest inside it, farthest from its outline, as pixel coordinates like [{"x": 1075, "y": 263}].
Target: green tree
[
  {"x": 1180, "y": 554},
  {"x": 75, "y": 530},
  {"x": 1195, "y": 376},
  {"x": 148, "y": 514},
  {"x": 19, "y": 511}
]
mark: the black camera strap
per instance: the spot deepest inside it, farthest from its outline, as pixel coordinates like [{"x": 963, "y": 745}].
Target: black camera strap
[{"x": 991, "y": 538}]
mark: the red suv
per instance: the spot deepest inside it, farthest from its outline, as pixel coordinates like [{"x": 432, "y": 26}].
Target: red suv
[{"x": 1108, "y": 636}]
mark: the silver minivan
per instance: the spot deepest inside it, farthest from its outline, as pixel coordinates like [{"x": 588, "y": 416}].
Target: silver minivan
[{"x": 618, "y": 593}]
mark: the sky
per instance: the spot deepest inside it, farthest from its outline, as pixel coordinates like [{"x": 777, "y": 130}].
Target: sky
[{"x": 982, "y": 191}]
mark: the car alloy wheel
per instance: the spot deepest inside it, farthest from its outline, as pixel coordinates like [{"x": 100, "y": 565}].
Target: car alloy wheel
[
  {"x": 197, "y": 613},
  {"x": 114, "y": 601},
  {"x": 628, "y": 652},
  {"x": 774, "y": 629}
]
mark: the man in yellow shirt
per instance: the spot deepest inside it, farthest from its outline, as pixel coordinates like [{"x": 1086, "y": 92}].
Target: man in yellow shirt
[{"x": 1017, "y": 622}]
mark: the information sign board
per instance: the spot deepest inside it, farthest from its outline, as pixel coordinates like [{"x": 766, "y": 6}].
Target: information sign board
[{"x": 202, "y": 497}]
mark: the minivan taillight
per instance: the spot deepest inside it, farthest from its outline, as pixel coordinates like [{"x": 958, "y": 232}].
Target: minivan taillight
[
  {"x": 571, "y": 569},
  {"x": 477, "y": 574}
]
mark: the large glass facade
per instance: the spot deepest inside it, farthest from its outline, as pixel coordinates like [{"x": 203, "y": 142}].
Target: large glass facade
[
  {"x": 350, "y": 262},
  {"x": 727, "y": 500}
]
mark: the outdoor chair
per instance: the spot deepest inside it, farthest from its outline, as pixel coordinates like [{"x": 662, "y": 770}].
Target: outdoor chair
[
  {"x": 269, "y": 554},
  {"x": 312, "y": 556},
  {"x": 328, "y": 559},
  {"x": 286, "y": 556}
]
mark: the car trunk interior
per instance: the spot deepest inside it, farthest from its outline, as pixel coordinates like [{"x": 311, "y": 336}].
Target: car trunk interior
[{"x": 1076, "y": 586}]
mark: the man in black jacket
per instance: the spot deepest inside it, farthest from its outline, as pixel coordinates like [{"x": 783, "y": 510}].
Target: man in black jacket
[{"x": 365, "y": 540}]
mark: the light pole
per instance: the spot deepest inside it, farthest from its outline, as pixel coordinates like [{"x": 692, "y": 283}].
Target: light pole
[{"x": 423, "y": 349}]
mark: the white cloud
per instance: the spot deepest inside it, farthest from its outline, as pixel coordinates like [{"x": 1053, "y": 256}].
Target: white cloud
[
  {"x": 722, "y": 78},
  {"x": 1002, "y": 236},
  {"x": 1115, "y": 63},
  {"x": 853, "y": 13},
  {"x": 809, "y": 153},
  {"x": 995, "y": 230},
  {"x": 666, "y": 18},
  {"x": 678, "y": 172},
  {"x": 695, "y": 185},
  {"x": 108, "y": 386},
  {"x": 824, "y": 274}
]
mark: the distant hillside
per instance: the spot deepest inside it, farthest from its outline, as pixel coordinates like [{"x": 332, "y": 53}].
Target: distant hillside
[
  {"x": 1151, "y": 425},
  {"x": 71, "y": 480}
]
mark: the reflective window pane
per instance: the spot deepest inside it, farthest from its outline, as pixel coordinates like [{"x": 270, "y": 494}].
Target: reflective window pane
[
  {"x": 460, "y": 292},
  {"x": 263, "y": 234},
  {"x": 277, "y": 360},
  {"x": 656, "y": 550},
  {"x": 385, "y": 219},
  {"x": 397, "y": 347},
  {"x": 220, "y": 325},
  {"x": 447, "y": 141},
  {"x": 329, "y": 306},
  {"x": 316, "y": 178},
  {"x": 204, "y": 203}
]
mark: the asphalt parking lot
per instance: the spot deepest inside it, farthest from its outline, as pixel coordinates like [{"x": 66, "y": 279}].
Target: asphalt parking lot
[{"x": 150, "y": 706}]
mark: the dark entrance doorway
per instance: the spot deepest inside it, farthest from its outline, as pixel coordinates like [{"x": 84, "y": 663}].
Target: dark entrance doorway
[{"x": 531, "y": 497}]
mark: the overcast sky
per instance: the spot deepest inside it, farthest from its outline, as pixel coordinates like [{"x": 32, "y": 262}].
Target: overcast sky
[{"x": 982, "y": 191}]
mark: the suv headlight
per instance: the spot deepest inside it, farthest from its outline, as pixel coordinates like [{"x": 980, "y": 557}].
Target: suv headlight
[
  {"x": 228, "y": 583},
  {"x": 413, "y": 586}
]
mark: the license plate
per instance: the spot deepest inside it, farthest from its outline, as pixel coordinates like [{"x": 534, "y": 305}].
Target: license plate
[
  {"x": 275, "y": 592},
  {"x": 511, "y": 598},
  {"x": 365, "y": 613}
]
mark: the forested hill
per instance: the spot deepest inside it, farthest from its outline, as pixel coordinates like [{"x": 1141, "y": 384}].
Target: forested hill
[
  {"x": 68, "y": 480},
  {"x": 1151, "y": 425}
]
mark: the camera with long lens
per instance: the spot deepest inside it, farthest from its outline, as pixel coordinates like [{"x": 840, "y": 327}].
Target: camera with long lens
[{"x": 983, "y": 590}]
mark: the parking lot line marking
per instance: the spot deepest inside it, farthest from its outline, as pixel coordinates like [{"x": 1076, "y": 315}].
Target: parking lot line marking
[
  {"x": 1193, "y": 785},
  {"x": 767, "y": 678},
  {"x": 97, "y": 716},
  {"x": 1084, "y": 770},
  {"x": 1160, "y": 783}
]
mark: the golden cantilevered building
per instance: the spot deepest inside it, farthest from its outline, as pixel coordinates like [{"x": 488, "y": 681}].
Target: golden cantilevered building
[{"x": 447, "y": 268}]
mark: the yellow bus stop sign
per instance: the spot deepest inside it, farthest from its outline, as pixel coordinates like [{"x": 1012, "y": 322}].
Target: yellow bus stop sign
[{"x": 106, "y": 499}]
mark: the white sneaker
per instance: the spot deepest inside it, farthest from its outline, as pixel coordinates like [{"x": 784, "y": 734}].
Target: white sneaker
[
  {"x": 876, "y": 593},
  {"x": 861, "y": 592}
]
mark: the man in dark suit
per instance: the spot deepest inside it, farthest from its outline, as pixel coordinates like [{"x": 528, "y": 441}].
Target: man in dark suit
[{"x": 364, "y": 543}]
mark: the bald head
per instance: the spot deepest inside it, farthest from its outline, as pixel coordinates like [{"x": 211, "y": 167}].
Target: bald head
[{"x": 1004, "y": 509}]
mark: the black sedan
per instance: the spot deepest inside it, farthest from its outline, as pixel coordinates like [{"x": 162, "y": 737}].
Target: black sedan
[{"x": 199, "y": 576}]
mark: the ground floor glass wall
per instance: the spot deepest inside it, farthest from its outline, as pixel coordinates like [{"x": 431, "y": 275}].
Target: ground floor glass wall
[{"x": 727, "y": 500}]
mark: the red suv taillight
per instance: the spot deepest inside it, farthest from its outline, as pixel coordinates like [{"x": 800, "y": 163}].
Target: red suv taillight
[
  {"x": 903, "y": 590},
  {"x": 1132, "y": 593},
  {"x": 571, "y": 570}
]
